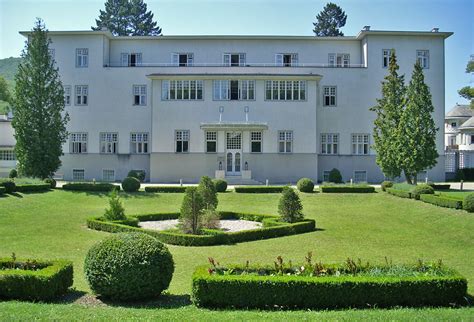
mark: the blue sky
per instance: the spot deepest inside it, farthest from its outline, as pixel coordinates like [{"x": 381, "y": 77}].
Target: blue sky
[{"x": 274, "y": 17}]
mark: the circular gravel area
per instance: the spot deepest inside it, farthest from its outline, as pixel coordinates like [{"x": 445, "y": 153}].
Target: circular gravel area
[{"x": 229, "y": 225}]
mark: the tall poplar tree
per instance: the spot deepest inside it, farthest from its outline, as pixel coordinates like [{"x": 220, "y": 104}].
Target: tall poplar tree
[
  {"x": 417, "y": 129},
  {"x": 329, "y": 21},
  {"x": 39, "y": 118},
  {"x": 389, "y": 110}
]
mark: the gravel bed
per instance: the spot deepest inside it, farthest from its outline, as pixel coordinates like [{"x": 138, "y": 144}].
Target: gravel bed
[{"x": 229, "y": 225}]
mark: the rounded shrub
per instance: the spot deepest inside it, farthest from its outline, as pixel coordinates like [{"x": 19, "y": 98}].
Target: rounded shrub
[
  {"x": 290, "y": 208},
  {"x": 130, "y": 184},
  {"x": 221, "y": 185},
  {"x": 386, "y": 184},
  {"x": 51, "y": 182},
  {"x": 335, "y": 176},
  {"x": 422, "y": 189},
  {"x": 468, "y": 203},
  {"x": 129, "y": 266},
  {"x": 13, "y": 173},
  {"x": 305, "y": 185},
  {"x": 139, "y": 174},
  {"x": 9, "y": 185}
]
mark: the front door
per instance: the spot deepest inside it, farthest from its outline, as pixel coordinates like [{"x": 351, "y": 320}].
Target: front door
[{"x": 233, "y": 153}]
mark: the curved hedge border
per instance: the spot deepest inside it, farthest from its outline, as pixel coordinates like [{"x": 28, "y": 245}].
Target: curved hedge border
[
  {"x": 399, "y": 193},
  {"x": 89, "y": 186},
  {"x": 43, "y": 284},
  {"x": 33, "y": 187},
  {"x": 253, "y": 291},
  {"x": 442, "y": 201},
  {"x": 272, "y": 228},
  {"x": 347, "y": 189},
  {"x": 259, "y": 189},
  {"x": 166, "y": 189}
]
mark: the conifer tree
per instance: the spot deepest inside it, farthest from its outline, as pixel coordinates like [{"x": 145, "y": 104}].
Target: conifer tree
[
  {"x": 329, "y": 21},
  {"x": 417, "y": 129},
  {"x": 39, "y": 118}
]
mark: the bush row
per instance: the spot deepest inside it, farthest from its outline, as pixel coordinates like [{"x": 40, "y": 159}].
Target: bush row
[
  {"x": 399, "y": 193},
  {"x": 46, "y": 283},
  {"x": 166, "y": 189},
  {"x": 177, "y": 238},
  {"x": 253, "y": 291},
  {"x": 347, "y": 189},
  {"x": 440, "y": 186},
  {"x": 90, "y": 186},
  {"x": 442, "y": 201},
  {"x": 259, "y": 189},
  {"x": 2, "y": 190},
  {"x": 33, "y": 187}
]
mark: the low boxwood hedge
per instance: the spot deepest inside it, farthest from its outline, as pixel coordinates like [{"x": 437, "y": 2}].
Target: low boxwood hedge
[
  {"x": 442, "y": 201},
  {"x": 259, "y": 189},
  {"x": 34, "y": 187},
  {"x": 90, "y": 186},
  {"x": 2, "y": 190},
  {"x": 399, "y": 193},
  {"x": 347, "y": 189},
  {"x": 440, "y": 186},
  {"x": 166, "y": 189},
  {"x": 265, "y": 291},
  {"x": 52, "y": 279},
  {"x": 272, "y": 228}
]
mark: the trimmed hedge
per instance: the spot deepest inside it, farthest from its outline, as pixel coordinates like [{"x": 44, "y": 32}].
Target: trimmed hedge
[
  {"x": 130, "y": 184},
  {"x": 468, "y": 202},
  {"x": 347, "y": 189},
  {"x": 399, "y": 193},
  {"x": 8, "y": 184},
  {"x": 259, "y": 189},
  {"x": 221, "y": 185},
  {"x": 52, "y": 182},
  {"x": 51, "y": 280},
  {"x": 254, "y": 291},
  {"x": 385, "y": 185},
  {"x": 305, "y": 185},
  {"x": 166, "y": 189},
  {"x": 90, "y": 186},
  {"x": 272, "y": 230},
  {"x": 442, "y": 201},
  {"x": 421, "y": 189},
  {"x": 443, "y": 186},
  {"x": 2, "y": 190},
  {"x": 34, "y": 187}
]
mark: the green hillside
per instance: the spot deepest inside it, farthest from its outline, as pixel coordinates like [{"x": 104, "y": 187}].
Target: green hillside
[{"x": 8, "y": 68}]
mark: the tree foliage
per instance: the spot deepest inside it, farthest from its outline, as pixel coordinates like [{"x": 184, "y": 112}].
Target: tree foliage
[
  {"x": 39, "y": 118},
  {"x": 467, "y": 92},
  {"x": 289, "y": 206},
  {"x": 389, "y": 109},
  {"x": 116, "y": 211},
  {"x": 127, "y": 18},
  {"x": 191, "y": 218},
  {"x": 329, "y": 21},
  {"x": 4, "y": 91},
  {"x": 207, "y": 189}
]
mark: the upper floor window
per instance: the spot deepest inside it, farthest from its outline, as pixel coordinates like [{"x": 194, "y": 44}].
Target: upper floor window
[
  {"x": 285, "y": 141},
  {"x": 234, "y": 59},
  {"x": 285, "y": 90},
  {"x": 82, "y": 93},
  {"x": 329, "y": 95},
  {"x": 386, "y": 57},
  {"x": 7, "y": 155},
  {"x": 67, "y": 95},
  {"x": 139, "y": 94},
  {"x": 256, "y": 142},
  {"x": 139, "y": 143},
  {"x": 182, "y": 59},
  {"x": 360, "y": 143},
  {"x": 339, "y": 60},
  {"x": 82, "y": 57},
  {"x": 109, "y": 143},
  {"x": 78, "y": 143},
  {"x": 286, "y": 60},
  {"x": 182, "y": 90},
  {"x": 233, "y": 90},
  {"x": 453, "y": 124},
  {"x": 329, "y": 143},
  {"x": 131, "y": 60},
  {"x": 182, "y": 141},
  {"x": 211, "y": 141},
  {"x": 423, "y": 58}
]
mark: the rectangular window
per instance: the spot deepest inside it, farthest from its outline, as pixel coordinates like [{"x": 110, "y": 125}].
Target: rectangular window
[
  {"x": 109, "y": 143},
  {"x": 285, "y": 141},
  {"x": 454, "y": 124},
  {"x": 360, "y": 176},
  {"x": 139, "y": 94},
  {"x": 78, "y": 174},
  {"x": 78, "y": 143},
  {"x": 326, "y": 175},
  {"x": 329, "y": 143},
  {"x": 181, "y": 90},
  {"x": 221, "y": 90},
  {"x": 224, "y": 90},
  {"x": 423, "y": 58},
  {"x": 82, "y": 57},
  {"x": 182, "y": 59},
  {"x": 211, "y": 142},
  {"x": 256, "y": 142},
  {"x": 108, "y": 175},
  {"x": 237, "y": 59},
  {"x": 360, "y": 144},
  {"x": 131, "y": 60},
  {"x": 7, "y": 155},
  {"x": 139, "y": 143},
  {"x": 285, "y": 90},
  {"x": 82, "y": 93},
  {"x": 182, "y": 141},
  {"x": 329, "y": 95},
  {"x": 339, "y": 60},
  {"x": 286, "y": 60},
  {"x": 67, "y": 95},
  {"x": 386, "y": 57}
]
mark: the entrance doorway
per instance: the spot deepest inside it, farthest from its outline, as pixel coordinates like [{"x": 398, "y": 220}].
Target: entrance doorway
[{"x": 233, "y": 153}]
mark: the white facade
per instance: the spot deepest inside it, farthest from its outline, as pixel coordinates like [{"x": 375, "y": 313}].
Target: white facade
[
  {"x": 7, "y": 144},
  {"x": 126, "y": 112}
]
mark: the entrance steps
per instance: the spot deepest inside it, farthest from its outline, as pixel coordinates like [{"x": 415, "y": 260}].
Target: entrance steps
[{"x": 238, "y": 181}]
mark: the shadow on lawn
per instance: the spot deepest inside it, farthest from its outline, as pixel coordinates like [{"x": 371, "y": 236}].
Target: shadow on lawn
[
  {"x": 122, "y": 194},
  {"x": 164, "y": 301}
]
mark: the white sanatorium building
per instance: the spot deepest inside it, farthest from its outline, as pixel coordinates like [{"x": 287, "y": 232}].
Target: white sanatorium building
[{"x": 240, "y": 107}]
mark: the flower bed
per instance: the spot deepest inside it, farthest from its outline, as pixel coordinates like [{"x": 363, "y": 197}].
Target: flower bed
[
  {"x": 271, "y": 228},
  {"x": 37, "y": 280},
  {"x": 335, "y": 286}
]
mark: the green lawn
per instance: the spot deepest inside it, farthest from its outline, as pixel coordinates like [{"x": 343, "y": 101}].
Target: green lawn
[
  {"x": 455, "y": 194},
  {"x": 366, "y": 226}
]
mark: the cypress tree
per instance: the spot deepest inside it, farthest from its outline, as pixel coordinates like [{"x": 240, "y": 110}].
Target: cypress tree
[{"x": 329, "y": 20}]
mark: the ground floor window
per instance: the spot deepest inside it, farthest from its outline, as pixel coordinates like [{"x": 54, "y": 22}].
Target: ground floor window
[
  {"x": 78, "y": 174},
  {"x": 7, "y": 155},
  {"x": 256, "y": 142},
  {"x": 211, "y": 141},
  {"x": 182, "y": 141},
  {"x": 108, "y": 174},
  {"x": 360, "y": 176}
]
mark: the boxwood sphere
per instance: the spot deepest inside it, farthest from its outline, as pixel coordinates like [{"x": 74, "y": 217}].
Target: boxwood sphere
[
  {"x": 468, "y": 203},
  {"x": 129, "y": 266},
  {"x": 422, "y": 189},
  {"x": 305, "y": 185},
  {"x": 130, "y": 184},
  {"x": 221, "y": 185}
]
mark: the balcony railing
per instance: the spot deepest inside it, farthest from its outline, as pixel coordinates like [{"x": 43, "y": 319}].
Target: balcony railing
[{"x": 295, "y": 65}]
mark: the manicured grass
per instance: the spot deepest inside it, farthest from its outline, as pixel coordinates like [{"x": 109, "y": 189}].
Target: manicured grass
[
  {"x": 367, "y": 226},
  {"x": 455, "y": 194}
]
